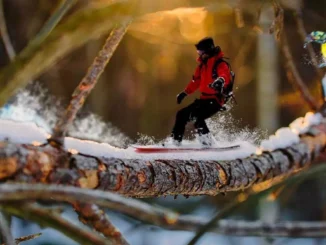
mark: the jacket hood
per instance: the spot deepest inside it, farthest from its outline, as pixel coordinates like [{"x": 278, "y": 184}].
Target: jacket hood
[{"x": 217, "y": 55}]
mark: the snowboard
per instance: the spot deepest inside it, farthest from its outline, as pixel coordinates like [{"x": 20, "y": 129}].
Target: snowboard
[{"x": 163, "y": 149}]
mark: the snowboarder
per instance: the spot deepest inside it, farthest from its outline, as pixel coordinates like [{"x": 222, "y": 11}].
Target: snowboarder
[{"x": 212, "y": 75}]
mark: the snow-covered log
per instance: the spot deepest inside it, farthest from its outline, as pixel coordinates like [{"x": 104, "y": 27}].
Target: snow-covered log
[{"x": 152, "y": 178}]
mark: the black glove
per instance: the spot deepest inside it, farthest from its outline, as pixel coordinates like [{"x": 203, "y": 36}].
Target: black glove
[
  {"x": 217, "y": 85},
  {"x": 181, "y": 96}
]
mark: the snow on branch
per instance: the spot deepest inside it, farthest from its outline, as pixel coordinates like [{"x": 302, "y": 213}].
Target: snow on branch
[{"x": 151, "y": 177}]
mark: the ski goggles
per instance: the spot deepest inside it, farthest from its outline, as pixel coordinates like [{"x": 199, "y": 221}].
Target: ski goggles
[{"x": 200, "y": 52}]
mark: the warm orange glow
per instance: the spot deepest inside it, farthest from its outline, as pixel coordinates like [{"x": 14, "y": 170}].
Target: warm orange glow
[
  {"x": 259, "y": 151},
  {"x": 272, "y": 197},
  {"x": 262, "y": 186},
  {"x": 242, "y": 197},
  {"x": 171, "y": 218},
  {"x": 36, "y": 143},
  {"x": 73, "y": 151}
]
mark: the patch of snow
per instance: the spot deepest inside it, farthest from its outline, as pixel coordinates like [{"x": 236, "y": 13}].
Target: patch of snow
[
  {"x": 36, "y": 105},
  {"x": 302, "y": 124},
  {"x": 92, "y": 127},
  {"x": 34, "y": 130},
  {"x": 21, "y": 132},
  {"x": 287, "y": 136},
  {"x": 283, "y": 137}
]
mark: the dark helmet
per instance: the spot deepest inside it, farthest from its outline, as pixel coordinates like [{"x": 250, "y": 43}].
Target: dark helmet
[{"x": 206, "y": 45}]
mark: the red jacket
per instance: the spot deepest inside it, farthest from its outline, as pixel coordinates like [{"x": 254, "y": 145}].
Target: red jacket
[{"x": 203, "y": 77}]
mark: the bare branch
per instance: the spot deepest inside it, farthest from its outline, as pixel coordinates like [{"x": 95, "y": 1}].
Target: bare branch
[
  {"x": 313, "y": 56},
  {"x": 25, "y": 238},
  {"x": 43, "y": 217},
  {"x": 252, "y": 196},
  {"x": 92, "y": 215},
  {"x": 278, "y": 22},
  {"x": 294, "y": 76},
  {"x": 292, "y": 72},
  {"x": 83, "y": 26},
  {"x": 156, "y": 215},
  {"x": 227, "y": 210},
  {"x": 51, "y": 23},
  {"x": 239, "y": 15},
  {"x": 89, "y": 81},
  {"x": 245, "y": 48},
  {"x": 4, "y": 34},
  {"x": 5, "y": 231}
]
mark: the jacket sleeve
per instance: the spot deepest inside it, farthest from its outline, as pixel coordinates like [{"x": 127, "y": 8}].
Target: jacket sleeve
[
  {"x": 193, "y": 85},
  {"x": 224, "y": 72}
]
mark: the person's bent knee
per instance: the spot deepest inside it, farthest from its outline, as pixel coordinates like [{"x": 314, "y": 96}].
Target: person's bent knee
[{"x": 182, "y": 115}]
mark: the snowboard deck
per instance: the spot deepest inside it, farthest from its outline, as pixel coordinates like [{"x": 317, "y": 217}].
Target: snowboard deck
[{"x": 163, "y": 149}]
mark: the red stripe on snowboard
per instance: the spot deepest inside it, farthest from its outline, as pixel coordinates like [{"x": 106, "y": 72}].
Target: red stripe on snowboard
[{"x": 147, "y": 149}]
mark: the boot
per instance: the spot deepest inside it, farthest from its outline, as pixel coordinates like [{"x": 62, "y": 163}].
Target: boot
[
  {"x": 206, "y": 140},
  {"x": 171, "y": 141}
]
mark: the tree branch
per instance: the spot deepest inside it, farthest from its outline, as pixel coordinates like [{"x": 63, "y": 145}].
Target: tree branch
[
  {"x": 4, "y": 34},
  {"x": 303, "y": 34},
  {"x": 294, "y": 76},
  {"x": 278, "y": 22},
  {"x": 92, "y": 215},
  {"x": 239, "y": 15},
  {"x": 144, "y": 178},
  {"x": 5, "y": 231},
  {"x": 292, "y": 72},
  {"x": 43, "y": 217},
  {"x": 51, "y": 23},
  {"x": 25, "y": 238},
  {"x": 77, "y": 30},
  {"x": 156, "y": 215},
  {"x": 89, "y": 81}
]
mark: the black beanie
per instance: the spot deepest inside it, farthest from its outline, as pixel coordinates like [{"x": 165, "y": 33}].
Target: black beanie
[{"x": 206, "y": 44}]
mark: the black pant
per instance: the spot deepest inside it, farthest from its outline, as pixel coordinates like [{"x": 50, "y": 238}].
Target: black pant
[{"x": 198, "y": 111}]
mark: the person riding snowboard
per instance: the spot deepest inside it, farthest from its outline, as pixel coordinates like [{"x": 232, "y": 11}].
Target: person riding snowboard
[{"x": 211, "y": 77}]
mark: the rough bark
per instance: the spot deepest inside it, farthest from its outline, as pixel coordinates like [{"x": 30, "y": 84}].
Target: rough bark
[
  {"x": 295, "y": 78},
  {"x": 93, "y": 216},
  {"x": 89, "y": 81},
  {"x": 140, "y": 178},
  {"x": 25, "y": 238}
]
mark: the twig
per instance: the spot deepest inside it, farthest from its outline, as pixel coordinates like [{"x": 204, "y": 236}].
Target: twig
[
  {"x": 92, "y": 215},
  {"x": 239, "y": 15},
  {"x": 313, "y": 56},
  {"x": 43, "y": 217},
  {"x": 4, "y": 34},
  {"x": 89, "y": 24},
  {"x": 245, "y": 48},
  {"x": 54, "y": 19},
  {"x": 5, "y": 231},
  {"x": 220, "y": 215},
  {"x": 294, "y": 76},
  {"x": 25, "y": 238},
  {"x": 278, "y": 22},
  {"x": 51, "y": 23},
  {"x": 292, "y": 72},
  {"x": 88, "y": 82},
  {"x": 252, "y": 196}
]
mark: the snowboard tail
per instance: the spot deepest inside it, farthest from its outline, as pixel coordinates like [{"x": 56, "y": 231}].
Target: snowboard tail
[{"x": 163, "y": 149}]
